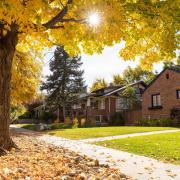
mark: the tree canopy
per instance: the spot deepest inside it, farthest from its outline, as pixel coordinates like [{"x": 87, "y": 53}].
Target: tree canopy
[
  {"x": 131, "y": 75},
  {"x": 150, "y": 28},
  {"x": 98, "y": 84}
]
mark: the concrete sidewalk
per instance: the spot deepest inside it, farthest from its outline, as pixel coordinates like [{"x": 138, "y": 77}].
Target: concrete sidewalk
[
  {"x": 139, "y": 167},
  {"x": 126, "y": 136}
]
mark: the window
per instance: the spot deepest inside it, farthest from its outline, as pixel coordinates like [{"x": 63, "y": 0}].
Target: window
[
  {"x": 98, "y": 119},
  {"x": 94, "y": 105},
  {"x": 178, "y": 94},
  {"x": 120, "y": 104},
  {"x": 156, "y": 100},
  {"x": 102, "y": 104},
  {"x": 167, "y": 76}
]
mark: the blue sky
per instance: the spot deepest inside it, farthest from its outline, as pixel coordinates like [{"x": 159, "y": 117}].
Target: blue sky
[{"x": 100, "y": 65}]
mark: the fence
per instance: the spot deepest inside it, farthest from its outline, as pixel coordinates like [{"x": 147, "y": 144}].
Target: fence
[{"x": 132, "y": 116}]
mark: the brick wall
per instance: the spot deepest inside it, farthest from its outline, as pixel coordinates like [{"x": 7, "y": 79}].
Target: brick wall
[{"x": 167, "y": 89}]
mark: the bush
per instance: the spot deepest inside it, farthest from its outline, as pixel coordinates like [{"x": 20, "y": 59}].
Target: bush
[
  {"x": 163, "y": 122},
  {"x": 175, "y": 115},
  {"x": 75, "y": 123},
  {"x": 59, "y": 126},
  {"x": 117, "y": 120},
  {"x": 175, "y": 112}
]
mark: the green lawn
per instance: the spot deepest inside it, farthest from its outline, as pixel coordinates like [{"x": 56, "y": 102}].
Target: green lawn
[
  {"x": 94, "y": 132},
  {"x": 165, "y": 147}
]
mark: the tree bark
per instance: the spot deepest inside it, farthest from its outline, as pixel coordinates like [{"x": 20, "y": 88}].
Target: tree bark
[
  {"x": 64, "y": 113},
  {"x": 7, "y": 48}
]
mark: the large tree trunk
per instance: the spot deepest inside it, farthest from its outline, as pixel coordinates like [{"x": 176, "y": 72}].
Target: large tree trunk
[{"x": 7, "y": 49}]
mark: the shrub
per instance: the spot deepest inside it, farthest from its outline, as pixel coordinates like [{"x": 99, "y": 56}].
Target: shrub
[
  {"x": 175, "y": 114},
  {"x": 163, "y": 122},
  {"x": 59, "y": 126},
  {"x": 75, "y": 123}
]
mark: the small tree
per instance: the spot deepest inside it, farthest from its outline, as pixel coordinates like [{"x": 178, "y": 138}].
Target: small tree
[
  {"x": 130, "y": 97},
  {"x": 65, "y": 83}
]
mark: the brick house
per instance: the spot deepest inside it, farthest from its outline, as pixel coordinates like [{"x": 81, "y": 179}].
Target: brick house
[
  {"x": 100, "y": 106},
  {"x": 162, "y": 94}
]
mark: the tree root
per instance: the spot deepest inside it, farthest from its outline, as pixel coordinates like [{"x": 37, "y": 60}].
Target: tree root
[
  {"x": 7, "y": 145},
  {"x": 2, "y": 152}
]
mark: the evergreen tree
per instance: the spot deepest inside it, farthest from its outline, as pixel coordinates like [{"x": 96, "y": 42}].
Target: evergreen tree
[{"x": 65, "y": 83}]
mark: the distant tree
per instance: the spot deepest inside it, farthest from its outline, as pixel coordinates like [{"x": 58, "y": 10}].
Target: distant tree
[
  {"x": 172, "y": 63},
  {"x": 66, "y": 81},
  {"x": 118, "y": 80},
  {"x": 131, "y": 75},
  {"x": 98, "y": 84}
]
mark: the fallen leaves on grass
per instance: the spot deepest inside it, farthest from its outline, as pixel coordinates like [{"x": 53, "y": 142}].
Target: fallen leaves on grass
[{"x": 37, "y": 160}]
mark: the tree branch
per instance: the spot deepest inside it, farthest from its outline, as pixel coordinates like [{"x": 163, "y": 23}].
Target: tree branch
[
  {"x": 58, "y": 17},
  {"x": 73, "y": 20},
  {"x": 57, "y": 27}
]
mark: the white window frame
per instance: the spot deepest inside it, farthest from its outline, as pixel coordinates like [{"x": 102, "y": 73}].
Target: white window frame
[
  {"x": 156, "y": 100},
  {"x": 178, "y": 93}
]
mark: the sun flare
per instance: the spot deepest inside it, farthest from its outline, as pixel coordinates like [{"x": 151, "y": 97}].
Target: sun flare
[{"x": 94, "y": 19}]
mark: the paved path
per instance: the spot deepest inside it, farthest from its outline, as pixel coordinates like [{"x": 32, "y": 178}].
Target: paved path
[
  {"x": 125, "y": 136},
  {"x": 139, "y": 167}
]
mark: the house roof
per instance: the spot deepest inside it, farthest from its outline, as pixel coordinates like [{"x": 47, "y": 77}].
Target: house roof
[
  {"x": 106, "y": 88},
  {"x": 113, "y": 89},
  {"x": 173, "y": 68},
  {"x": 122, "y": 88},
  {"x": 104, "y": 91}
]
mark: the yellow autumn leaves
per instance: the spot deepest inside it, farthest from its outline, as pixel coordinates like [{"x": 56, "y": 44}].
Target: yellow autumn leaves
[
  {"x": 26, "y": 74},
  {"x": 149, "y": 28}
]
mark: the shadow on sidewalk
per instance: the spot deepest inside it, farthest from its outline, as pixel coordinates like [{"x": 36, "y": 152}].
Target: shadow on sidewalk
[{"x": 15, "y": 132}]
